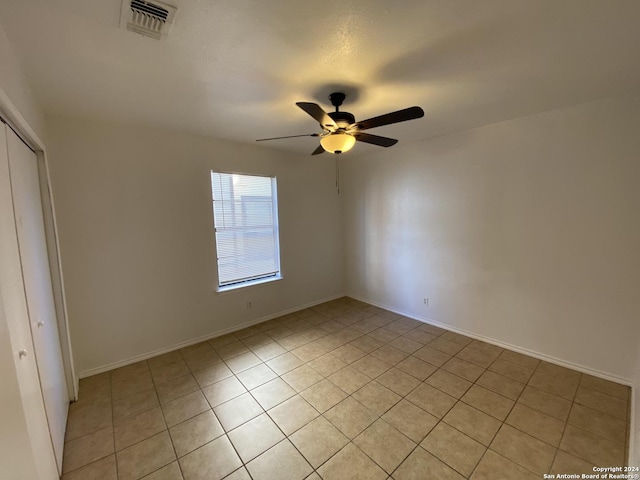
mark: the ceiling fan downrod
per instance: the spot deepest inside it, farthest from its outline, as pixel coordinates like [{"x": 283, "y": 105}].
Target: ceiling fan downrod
[{"x": 342, "y": 119}]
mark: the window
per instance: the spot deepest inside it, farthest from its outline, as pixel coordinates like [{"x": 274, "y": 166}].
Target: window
[{"x": 245, "y": 214}]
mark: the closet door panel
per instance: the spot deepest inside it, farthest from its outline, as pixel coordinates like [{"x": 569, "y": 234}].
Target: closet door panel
[
  {"x": 25, "y": 453},
  {"x": 29, "y": 220}
]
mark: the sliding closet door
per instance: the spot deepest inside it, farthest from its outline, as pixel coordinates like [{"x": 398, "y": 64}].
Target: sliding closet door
[
  {"x": 27, "y": 203},
  {"x": 24, "y": 432}
]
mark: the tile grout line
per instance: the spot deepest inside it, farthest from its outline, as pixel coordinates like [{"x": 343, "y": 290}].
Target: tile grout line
[
  {"x": 113, "y": 426},
  {"x": 135, "y": 415},
  {"x": 575, "y": 394},
  {"x": 286, "y": 437},
  {"x": 515, "y": 402},
  {"x": 164, "y": 419},
  {"x": 93, "y": 432}
]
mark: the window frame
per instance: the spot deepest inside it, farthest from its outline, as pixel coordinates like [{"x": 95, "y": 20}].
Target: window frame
[{"x": 276, "y": 224}]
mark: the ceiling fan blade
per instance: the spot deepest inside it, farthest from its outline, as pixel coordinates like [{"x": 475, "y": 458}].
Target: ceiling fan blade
[
  {"x": 375, "y": 139},
  {"x": 318, "y": 113},
  {"x": 410, "y": 113},
  {"x": 290, "y": 136},
  {"x": 318, "y": 150}
]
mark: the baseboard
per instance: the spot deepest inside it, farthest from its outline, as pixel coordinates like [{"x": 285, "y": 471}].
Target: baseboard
[
  {"x": 508, "y": 346},
  {"x": 76, "y": 389},
  {"x": 541, "y": 356},
  {"x": 209, "y": 336},
  {"x": 633, "y": 460}
]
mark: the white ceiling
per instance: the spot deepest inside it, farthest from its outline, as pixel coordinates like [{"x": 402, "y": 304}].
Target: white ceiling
[{"x": 235, "y": 68}]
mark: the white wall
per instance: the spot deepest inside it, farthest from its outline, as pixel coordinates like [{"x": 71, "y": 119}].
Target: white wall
[
  {"x": 525, "y": 232},
  {"x": 15, "y": 89},
  {"x": 134, "y": 215}
]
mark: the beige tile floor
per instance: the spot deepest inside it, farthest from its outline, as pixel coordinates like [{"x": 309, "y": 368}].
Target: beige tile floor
[{"x": 343, "y": 390}]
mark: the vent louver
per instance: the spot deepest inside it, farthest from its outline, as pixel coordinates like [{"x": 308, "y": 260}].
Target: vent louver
[{"x": 152, "y": 19}]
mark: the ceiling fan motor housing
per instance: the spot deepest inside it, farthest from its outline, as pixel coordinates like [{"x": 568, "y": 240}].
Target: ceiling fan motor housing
[
  {"x": 343, "y": 119},
  {"x": 337, "y": 98}
]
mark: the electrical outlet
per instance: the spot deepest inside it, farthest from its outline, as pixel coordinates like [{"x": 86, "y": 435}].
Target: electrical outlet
[
  {"x": 425, "y": 300},
  {"x": 249, "y": 305}
]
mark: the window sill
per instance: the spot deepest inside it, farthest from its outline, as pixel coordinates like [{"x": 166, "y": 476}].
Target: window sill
[{"x": 240, "y": 286}]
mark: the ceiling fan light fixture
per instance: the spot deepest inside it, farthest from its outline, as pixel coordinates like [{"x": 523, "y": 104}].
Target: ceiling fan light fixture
[
  {"x": 340, "y": 130},
  {"x": 338, "y": 142}
]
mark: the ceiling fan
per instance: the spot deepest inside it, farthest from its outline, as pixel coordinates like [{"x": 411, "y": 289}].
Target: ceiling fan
[{"x": 340, "y": 131}]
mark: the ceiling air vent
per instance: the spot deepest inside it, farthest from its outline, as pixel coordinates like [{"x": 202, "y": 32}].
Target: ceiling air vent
[{"x": 152, "y": 19}]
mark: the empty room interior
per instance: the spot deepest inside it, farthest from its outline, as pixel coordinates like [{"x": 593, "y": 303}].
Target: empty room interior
[{"x": 349, "y": 240}]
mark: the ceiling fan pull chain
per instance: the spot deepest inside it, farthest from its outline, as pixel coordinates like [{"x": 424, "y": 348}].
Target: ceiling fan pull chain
[{"x": 338, "y": 173}]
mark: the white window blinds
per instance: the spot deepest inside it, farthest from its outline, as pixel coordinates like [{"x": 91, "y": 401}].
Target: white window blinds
[{"x": 245, "y": 216}]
